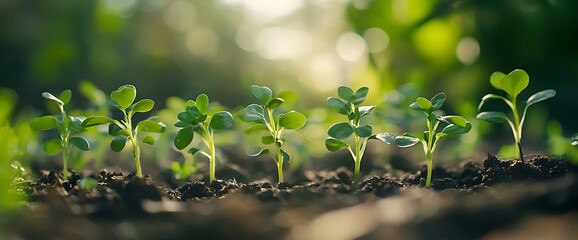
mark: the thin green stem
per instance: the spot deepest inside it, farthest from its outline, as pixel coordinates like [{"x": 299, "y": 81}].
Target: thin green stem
[
  {"x": 358, "y": 155},
  {"x": 132, "y": 136},
  {"x": 518, "y": 130},
  {"x": 429, "y": 153},
  {"x": 280, "y": 164},
  {"x": 429, "y": 169},
  {"x": 212, "y": 159}
]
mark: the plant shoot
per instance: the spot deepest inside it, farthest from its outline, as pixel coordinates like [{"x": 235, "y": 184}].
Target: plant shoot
[{"x": 513, "y": 83}]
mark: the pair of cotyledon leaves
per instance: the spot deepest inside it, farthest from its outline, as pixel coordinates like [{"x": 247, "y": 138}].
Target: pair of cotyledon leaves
[
  {"x": 44, "y": 123},
  {"x": 197, "y": 113},
  {"x": 512, "y": 83},
  {"x": 124, "y": 98}
]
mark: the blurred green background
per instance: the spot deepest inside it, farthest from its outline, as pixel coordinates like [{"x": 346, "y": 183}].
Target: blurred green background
[{"x": 401, "y": 49}]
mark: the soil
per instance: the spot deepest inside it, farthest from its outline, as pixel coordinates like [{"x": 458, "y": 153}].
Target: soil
[{"x": 493, "y": 199}]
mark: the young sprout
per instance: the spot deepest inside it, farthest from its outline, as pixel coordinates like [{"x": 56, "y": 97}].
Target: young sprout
[
  {"x": 127, "y": 130},
  {"x": 348, "y": 104},
  {"x": 67, "y": 127},
  {"x": 263, "y": 117},
  {"x": 513, "y": 83},
  {"x": 455, "y": 125},
  {"x": 198, "y": 118}
]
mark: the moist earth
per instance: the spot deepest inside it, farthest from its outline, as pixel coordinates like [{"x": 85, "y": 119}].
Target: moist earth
[{"x": 494, "y": 199}]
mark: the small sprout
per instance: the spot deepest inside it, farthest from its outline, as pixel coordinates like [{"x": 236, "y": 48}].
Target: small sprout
[
  {"x": 263, "y": 119},
  {"x": 197, "y": 118},
  {"x": 574, "y": 139},
  {"x": 348, "y": 104},
  {"x": 455, "y": 125},
  {"x": 67, "y": 126},
  {"x": 513, "y": 83},
  {"x": 87, "y": 183},
  {"x": 125, "y": 130}
]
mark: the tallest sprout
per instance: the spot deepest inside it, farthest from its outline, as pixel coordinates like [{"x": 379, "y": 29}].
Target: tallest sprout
[{"x": 513, "y": 83}]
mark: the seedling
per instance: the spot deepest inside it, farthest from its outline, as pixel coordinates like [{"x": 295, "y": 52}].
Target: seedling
[
  {"x": 197, "y": 118},
  {"x": 574, "y": 139},
  {"x": 513, "y": 83},
  {"x": 263, "y": 117},
  {"x": 348, "y": 104},
  {"x": 126, "y": 130},
  {"x": 455, "y": 125},
  {"x": 67, "y": 127}
]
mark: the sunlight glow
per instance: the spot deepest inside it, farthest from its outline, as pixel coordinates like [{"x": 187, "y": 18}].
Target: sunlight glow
[{"x": 351, "y": 47}]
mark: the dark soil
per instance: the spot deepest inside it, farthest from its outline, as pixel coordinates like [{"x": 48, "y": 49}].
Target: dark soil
[{"x": 494, "y": 200}]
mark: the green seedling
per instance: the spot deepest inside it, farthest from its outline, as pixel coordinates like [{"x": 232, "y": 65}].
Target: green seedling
[
  {"x": 513, "y": 83},
  {"x": 264, "y": 120},
  {"x": 197, "y": 118},
  {"x": 127, "y": 130},
  {"x": 348, "y": 104},
  {"x": 67, "y": 127},
  {"x": 455, "y": 125},
  {"x": 574, "y": 139}
]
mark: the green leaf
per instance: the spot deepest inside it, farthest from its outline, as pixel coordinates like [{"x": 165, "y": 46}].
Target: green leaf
[
  {"x": 262, "y": 93},
  {"x": 65, "y": 96},
  {"x": 457, "y": 120},
  {"x": 151, "y": 126},
  {"x": 285, "y": 155},
  {"x": 43, "y": 123},
  {"x": 345, "y": 93},
  {"x": 76, "y": 124},
  {"x": 364, "y": 131},
  {"x": 515, "y": 82},
  {"x": 51, "y": 97},
  {"x": 275, "y": 103},
  {"x": 365, "y": 110},
  {"x": 80, "y": 143},
  {"x": 53, "y": 147},
  {"x": 118, "y": 143},
  {"x": 438, "y": 100},
  {"x": 405, "y": 141},
  {"x": 202, "y": 103},
  {"x": 493, "y": 117},
  {"x": 253, "y": 113},
  {"x": 385, "y": 137},
  {"x": 454, "y": 129},
  {"x": 193, "y": 151},
  {"x": 124, "y": 96},
  {"x": 143, "y": 105},
  {"x": 359, "y": 96},
  {"x": 150, "y": 140},
  {"x": 91, "y": 92},
  {"x": 414, "y": 105},
  {"x": 115, "y": 130},
  {"x": 338, "y": 105},
  {"x": 267, "y": 140},
  {"x": 496, "y": 80},
  {"x": 183, "y": 138},
  {"x": 340, "y": 130},
  {"x": 424, "y": 104},
  {"x": 94, "y": 121},
  {"x": 182, "y": 124},
  {"x": 487, "y": 97},
  {"x": 256, "y": 128},
  {"x": 334, "y": 145},
  {"x": 221, "y": 120},
  {"x": 292, "y": 120},
  {"x": 540, "y": 96},
  {"x": 255, "y": 151}
]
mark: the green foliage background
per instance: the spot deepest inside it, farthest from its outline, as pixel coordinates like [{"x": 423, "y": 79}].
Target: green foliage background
[{"x": 220, "y": 47}]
